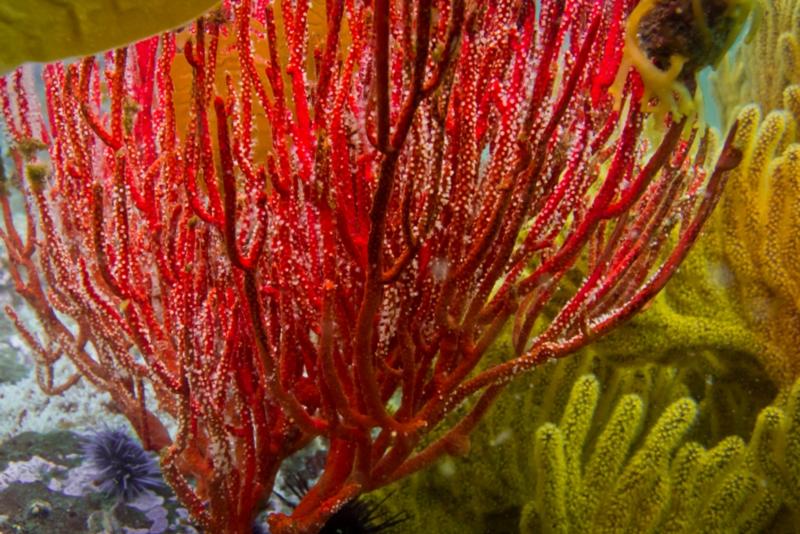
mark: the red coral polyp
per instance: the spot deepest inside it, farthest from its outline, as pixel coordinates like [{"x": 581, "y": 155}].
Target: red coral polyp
[{"x": 273, "y": 234}]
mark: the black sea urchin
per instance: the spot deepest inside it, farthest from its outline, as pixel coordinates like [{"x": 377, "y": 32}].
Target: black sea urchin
[
  {"x": 362, "y": 516},
  {"x": 358, "y": 516},
  {"x": 123, "y": 469}
]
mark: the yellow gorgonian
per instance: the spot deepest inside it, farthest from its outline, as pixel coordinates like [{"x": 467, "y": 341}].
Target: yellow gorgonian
[
  {"x": 758, "y": 221},
  {"x": 767, "y": 63},
  {"x": 736, "y": 299}
]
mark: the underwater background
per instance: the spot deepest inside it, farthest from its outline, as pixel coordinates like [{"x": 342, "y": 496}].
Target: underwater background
[{"x": 684, "y": 419}]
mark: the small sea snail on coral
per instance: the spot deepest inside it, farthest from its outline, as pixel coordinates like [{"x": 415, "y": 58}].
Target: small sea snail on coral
[
  {"x": 699, "y": 31},
  {"x": 669, "y": 41}
]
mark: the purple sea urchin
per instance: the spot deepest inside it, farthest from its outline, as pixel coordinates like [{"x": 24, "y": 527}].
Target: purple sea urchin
[{"x": 124, "y": 469}]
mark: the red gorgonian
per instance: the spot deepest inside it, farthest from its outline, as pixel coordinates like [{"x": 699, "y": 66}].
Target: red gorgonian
[{"x": 283, "y": 240}]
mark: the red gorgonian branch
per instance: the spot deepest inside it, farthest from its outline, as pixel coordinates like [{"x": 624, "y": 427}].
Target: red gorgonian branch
[{"x": 325, "y": 238}]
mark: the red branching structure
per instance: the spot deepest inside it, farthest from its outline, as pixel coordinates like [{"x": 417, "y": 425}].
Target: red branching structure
[{"x": 326, "y": 244}]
